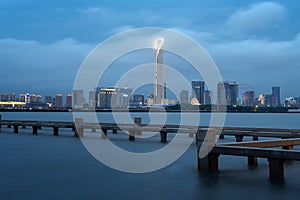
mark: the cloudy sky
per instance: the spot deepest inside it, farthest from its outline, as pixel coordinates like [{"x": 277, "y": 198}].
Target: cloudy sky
[{"x": 43, "y": 42}]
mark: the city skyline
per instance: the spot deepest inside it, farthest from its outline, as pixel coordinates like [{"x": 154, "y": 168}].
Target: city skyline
[
  {"x": 254, "y": 42},
  {"x": 105, "y": 97}
]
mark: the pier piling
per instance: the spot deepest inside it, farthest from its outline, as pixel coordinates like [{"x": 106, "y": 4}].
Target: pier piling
[
  {"x": 276, "y": 169},
  {"x": 79, "y": 129},
  {"x": 55, "y": 130},
  {"x": 16, "y": 128}
]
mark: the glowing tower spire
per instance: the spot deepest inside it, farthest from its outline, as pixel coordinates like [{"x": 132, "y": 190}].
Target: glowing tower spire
[{"x": 159, "y": 89}]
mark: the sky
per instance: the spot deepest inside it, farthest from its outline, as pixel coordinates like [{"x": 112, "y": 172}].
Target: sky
[{"x": 44, "y": 42}]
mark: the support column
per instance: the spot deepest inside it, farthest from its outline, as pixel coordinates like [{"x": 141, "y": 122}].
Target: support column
[
  {"x": 255, "y": 138},
  {"x": 252, "y": 161},
  {"x": 209, "y": 163},
  {"x": 8, "y": 125},
  {"x": 163, "y": 136},
  {"x": 289, "y": 147},
  {"x": 104, "y": 133},
  {"x": 35, "y": 130},
  {"x": 221, "y": 136},
  {"x": 239, "y": 138},
  {"x": 131, "y": 135},
  {"x": 16, "y": 128},
  {"x": 276, "y": 169},
  {"x": 55, "y": 131},
  {"x": 138, "y": 123},
  {"x": 79, "y": 129}
]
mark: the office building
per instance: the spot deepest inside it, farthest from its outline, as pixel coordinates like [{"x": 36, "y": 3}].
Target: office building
[
  {"x": 22, "y": 97},
  {"x": 227, "y": 93},
  {"x": 184, "y": 96},
  {"x": 207, "y": 97},
  {"x": 276, "y": 94},
  {"x": 248, "y": 98},
  {"x": 198, "y": 91},
  {"x": 68, "y": 101},
  {"x": 78, "y": 99},
  {"x": 48, "y": 99},
  {"x": 137, "y": 100},
  {"x": 4, "y": 97},
  {"x": 58, "y": 101},
  {"x": 12, "y": 97},
  {"x": 270, "y": 100}
]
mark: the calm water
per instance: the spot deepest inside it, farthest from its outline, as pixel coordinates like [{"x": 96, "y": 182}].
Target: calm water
[{"x": 47, "y": 167}]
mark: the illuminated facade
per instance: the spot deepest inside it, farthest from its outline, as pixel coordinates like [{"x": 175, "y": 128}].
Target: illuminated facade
[{"x": 159, "y": 81}]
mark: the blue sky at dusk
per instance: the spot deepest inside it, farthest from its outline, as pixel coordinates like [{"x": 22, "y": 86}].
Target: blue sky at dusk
[{"x": 43, "y": 42}]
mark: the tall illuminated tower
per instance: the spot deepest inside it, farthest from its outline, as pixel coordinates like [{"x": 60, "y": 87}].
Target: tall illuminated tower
[{"x": 159, "y": 89}]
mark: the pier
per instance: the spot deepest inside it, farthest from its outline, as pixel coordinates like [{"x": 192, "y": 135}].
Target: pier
[{"x": 277, "y": 145}]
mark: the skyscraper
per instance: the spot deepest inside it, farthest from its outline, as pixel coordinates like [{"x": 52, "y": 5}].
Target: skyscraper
[
  {"x": 78, "y": 98},
  {"x": 207, "y": 97},
  {"x": 159, "y": 89},
  {"x": 227, "y": 93},
  {"x": 184, "y": 96},
  {"x": 248, "y": 98},
  {"x": 198, "y": 91},
  {"x": 276, "y": 94},
  {"x": 58, "y": 101},
  {"x": 68, "y": 101}
]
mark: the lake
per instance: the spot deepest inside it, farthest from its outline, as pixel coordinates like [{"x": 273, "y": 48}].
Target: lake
[{"x": 47, "y": 167}]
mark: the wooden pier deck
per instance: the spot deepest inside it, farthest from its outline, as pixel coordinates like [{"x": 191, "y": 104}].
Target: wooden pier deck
[{"x": 285, "y": 138}]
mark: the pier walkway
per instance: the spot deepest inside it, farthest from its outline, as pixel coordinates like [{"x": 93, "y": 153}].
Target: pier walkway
[{"x": 276, "y": 150}]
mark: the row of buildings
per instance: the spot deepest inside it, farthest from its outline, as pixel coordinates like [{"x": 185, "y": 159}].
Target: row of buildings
[
  {"x": 36, "y": 100},
  {"x": 122, "y": 98}
]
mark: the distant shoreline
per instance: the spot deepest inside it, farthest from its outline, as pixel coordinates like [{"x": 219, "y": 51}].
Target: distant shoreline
[{"x": 143, "y": 110}]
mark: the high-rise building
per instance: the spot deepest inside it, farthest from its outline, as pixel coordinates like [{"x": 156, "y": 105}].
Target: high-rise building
[
  {"x": 150, "y": 99},
  {"x": 248, "y": 98},
  {"x": 48, "y": 99},
  {"x": 27, "y": 98},
  {"x": 290, "y": 102},
  {"x": 92, "y": 98},
  {"x": 78, "y": 98},
  {"x": 137, "y": 100},
  {"x": 38, "y": 98},
  {"x": 58, "y": 101},
  {"x": 68, "y": 101},
  {"x": 159, "y": 82},
  {"x": 270, "y": 100},
  {"x": 125, "y": 95},
  {"x": 32, "y": 98},
  {"x": 106, "y": 97},
  {"x": 207, "y": 97},
  {"x": 276, "y": 94},
  {"x": 184, "y": 96},
  {"x": 227, "y": 93},
  {"x": 12, "y": 97},
  {"x": 22, "y": 97},
  {"x": 4, "y": 97},
  {"x": 198, "y": 91}
]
